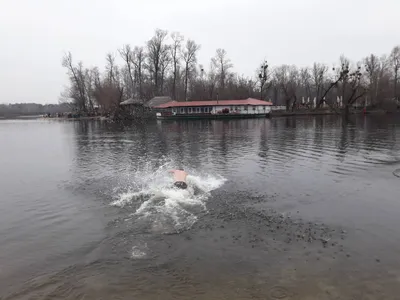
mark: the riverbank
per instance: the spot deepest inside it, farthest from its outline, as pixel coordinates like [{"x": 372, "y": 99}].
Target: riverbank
[
  {"x": 284, "y": 113},
  {"x": 326, "y": 112},
  {"x": 99, "y": 118},
  {"x": 275, "y": 113}
]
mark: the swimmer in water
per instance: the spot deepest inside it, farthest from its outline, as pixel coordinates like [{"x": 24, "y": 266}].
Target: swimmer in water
[{"x": 180, "y": 178}]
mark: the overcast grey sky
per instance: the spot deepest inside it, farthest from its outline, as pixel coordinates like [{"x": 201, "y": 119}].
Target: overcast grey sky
[{"x": 34, "y": 34}]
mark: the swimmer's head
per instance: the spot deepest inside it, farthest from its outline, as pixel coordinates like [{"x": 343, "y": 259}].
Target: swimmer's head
[{"x": 180, "y": 169}]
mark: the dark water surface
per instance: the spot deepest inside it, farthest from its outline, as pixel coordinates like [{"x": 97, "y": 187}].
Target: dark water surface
[{"x": 296, "y": 208}]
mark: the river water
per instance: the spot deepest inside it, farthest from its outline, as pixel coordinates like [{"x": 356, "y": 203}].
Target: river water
[{"x": 283, "y": 208}]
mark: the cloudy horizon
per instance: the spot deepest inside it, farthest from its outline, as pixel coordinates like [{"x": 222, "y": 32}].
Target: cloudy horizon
[{"x": 36, "y": 34}]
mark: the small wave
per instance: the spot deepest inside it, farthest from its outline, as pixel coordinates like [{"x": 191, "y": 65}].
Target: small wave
[
  {"x": 127, "y": 198},
  {"x": 138, "y": 252}
]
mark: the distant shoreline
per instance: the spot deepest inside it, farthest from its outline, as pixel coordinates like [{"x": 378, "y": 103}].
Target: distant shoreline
[
  {"x": 20, "y": 117},
  {"x": 24, "y": 117},
  {"x": 326, "y": 112},
  {"x": 273, "y": 114},
  {"x": 101, "y": 118}
]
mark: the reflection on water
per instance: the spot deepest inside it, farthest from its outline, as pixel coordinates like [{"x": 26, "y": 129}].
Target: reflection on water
[{"x": 288, "y": 208}]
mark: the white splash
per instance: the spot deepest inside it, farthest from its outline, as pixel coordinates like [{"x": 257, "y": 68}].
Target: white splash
[
  {"x": 151, "y": 196},
  {"x": 126, "y": 198},
  {"x": 137, "y": 252}
]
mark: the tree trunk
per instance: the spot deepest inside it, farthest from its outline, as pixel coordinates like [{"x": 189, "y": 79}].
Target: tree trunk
[
  {"x": 275, "y": 100},
  {"x": 321, "y": 100},
  {"x": 174, "y": 83},
  {"x": 294, "y": 103},
  {"x": 287, "y": 102},
  {"x": 162, "y": 82},
  {"x": 346, "y": 112},
  {"x": 156, "y": 84},
  {"x": 186, "y": 82},
  {"x": 140, "y": 82},
  {"x": 131, "y": 78}
]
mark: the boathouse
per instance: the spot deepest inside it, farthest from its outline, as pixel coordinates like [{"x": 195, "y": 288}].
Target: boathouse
[{"x": 245, "y": 108}]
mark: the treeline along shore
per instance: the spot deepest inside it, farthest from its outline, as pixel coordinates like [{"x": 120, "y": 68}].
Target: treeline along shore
[
  {"x": 167, "y": 65},
  {"x": 32, "y": 109}
]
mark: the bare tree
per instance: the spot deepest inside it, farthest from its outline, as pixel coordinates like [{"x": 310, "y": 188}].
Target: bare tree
[
  {"x": 126, "y": 55},
  {"x": 264, "y": 78},
  {"x": 111, "y": 68},
  {"x": 77, "y": 90},
  {"x": 89, "y": 88},
  {"x": 165, "y": 60},
  {"x": 395, "y": 60},
  {"x": 189, "y": 56},
  {"x": 110, "y": 92},
  {"x": 109, "y": 96},
  {"x": 95, "y": 76},
  {"x": 318, "y": 76},
  {"x": 356, "y": 86},
  {"x": 211, "y": 81},
  {"x": 373, "y": 68},
  {"x": 175, "y": 50},
  {"x": 138, "y": 59},
  {"x": 343, "y": 75},
  {"x": 339, "y": 77},
  {"x": 383, "y": 86},
  {"x": 351, "y": 81},
  {"x": 222, "y": 65},
  {"x": 287, "y": 78},
  {"x": 246, "y": 87},
  {"x": 305, "y": 79},
  {"x": 156, "y": 49}
]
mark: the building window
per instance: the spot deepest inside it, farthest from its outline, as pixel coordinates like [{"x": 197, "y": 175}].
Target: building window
[
  {"x": 189, "y": 110},
  {"x": 254, "y": 108},
  {"x": 182, "y": 110},
  {"x": 198, "y": 109}
]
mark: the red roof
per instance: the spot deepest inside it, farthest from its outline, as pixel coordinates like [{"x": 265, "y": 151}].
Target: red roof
[{"x": 249, "y": 101}]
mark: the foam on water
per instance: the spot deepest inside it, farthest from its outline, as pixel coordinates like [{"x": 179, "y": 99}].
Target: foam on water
[
  {"x": 151, "y": 196},
  {"x": 139, "y": 251}
]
